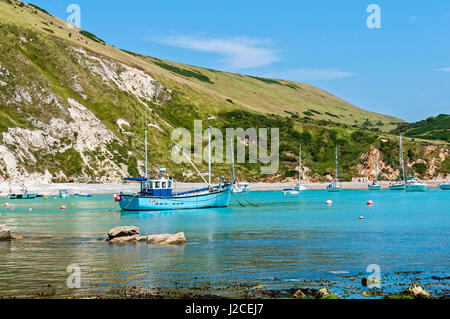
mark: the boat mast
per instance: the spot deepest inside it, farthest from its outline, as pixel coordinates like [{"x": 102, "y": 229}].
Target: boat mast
[
  {"x": 232, "y": 156},
  {"x": 209, "y": 155},
  {"x": 337, "y": 163},
  {"x": 146, "y": 147},
  {"x": 300, "y": 168},
  {"x": 378, "y": 168},
  {"x": 402, "y": 161}
]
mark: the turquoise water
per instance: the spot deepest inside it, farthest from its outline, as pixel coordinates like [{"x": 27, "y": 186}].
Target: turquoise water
[{"x": 282, "y": 243}]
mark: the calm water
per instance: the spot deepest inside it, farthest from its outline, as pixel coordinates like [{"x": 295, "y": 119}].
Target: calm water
[{"x": 279, "y": 244}]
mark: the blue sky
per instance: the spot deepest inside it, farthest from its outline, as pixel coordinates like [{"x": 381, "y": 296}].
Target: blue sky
[{"x": 401, "y": 69}]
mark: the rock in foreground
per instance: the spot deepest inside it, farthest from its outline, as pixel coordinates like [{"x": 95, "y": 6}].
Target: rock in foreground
[
  {"x": 5, "y": 233},
  {"x": 128, "y": 239},
  {"x": 167, "y": 239},
  {"x": 418, "y": 292},
  {"x": 309, "y": 293},
  {"x": 131, "y": 234},
  {"x": 123, "y": 231}
]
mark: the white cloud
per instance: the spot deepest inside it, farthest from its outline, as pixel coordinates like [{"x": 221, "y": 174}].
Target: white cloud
[
  {"x": 317, "y": 74},
  {"x": 238, "y": 53},
  {"x": 442, "y": 70}
]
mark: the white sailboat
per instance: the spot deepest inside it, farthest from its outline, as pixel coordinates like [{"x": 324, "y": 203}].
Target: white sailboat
[
  {"x": 335, "y": 187},
  {"x": 375, "y": 186},
  {"x": 241, "y": 187},
  {"x": 415, "y": 185},
  {"x": 400, "y": 184},
  {"x": 299, "y": 187}
]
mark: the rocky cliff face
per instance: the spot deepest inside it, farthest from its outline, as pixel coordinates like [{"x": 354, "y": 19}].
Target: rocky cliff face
[
  {"x": 432, "y": 159},
  {"x": 52, "y": 135}
]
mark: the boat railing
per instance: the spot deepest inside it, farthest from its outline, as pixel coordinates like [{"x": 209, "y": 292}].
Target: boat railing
[{"x": 214, "y": 188}]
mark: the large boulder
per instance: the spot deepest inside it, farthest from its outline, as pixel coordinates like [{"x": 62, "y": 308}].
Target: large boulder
[
  {"x": 167, "y": 239},
  {"x": 123, "y": 231},
  {"x": 5, "y": 233},
  {"x": 418, "y": 292},
  {"x": 128, "y": 239}
]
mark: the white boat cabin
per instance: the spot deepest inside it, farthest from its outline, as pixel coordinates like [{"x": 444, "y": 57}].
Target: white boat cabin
[{"x": 158, "y": 186}]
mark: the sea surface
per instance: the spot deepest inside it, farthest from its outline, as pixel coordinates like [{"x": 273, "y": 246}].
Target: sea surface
[{"x": 282, "y": 242}]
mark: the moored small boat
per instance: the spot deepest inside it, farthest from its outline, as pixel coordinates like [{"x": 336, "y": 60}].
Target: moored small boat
[
  {"x": 242, "y": 187},
  {"x": 299, "y": 187},
  {"x": 415, "y": 185},
  {"x": 22, "y": 196},
  {"x": 374, "y": 187},
  {"x": 397, "y": 186},
  {"x": 63, "y": 193},
  {"x": 83, "y": 195},
  {"x": 445, "y": 187},
  {"x": 290, "y": 191},
  {"x": 334, "y": 188}
]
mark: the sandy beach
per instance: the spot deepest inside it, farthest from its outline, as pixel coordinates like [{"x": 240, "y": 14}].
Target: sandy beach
[{"x": 100, "y": 189}]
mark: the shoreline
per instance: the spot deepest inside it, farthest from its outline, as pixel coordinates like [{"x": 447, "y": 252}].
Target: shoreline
[{"x": 108, "y": 189}]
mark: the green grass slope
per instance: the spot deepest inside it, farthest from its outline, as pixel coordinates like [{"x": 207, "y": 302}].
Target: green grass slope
[{"x": 433, "y": 128}]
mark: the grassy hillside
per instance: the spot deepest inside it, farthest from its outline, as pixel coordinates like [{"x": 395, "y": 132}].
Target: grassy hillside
[
  {"x": 252, "y": 93},
  {"x": 433, "y": 128},
  {"x": 73, "y": 106}
]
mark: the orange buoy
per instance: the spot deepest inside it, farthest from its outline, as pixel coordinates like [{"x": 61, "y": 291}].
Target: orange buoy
[
  {"x": 63, "y": 207},
  {"x": 6, "y": 205},
  {"x": 369, "y": 203},
  {"x": 361, "y": 217}
]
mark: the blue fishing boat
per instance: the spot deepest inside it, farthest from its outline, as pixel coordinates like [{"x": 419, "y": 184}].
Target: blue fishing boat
[
  {"x": 445, "y": 187},
  {"x": 158, "y": 193},
  {"x": 24, "y": 195}
]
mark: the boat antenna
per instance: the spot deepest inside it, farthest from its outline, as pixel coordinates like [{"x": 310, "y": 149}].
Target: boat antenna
[{"x": 209, "y": 155}]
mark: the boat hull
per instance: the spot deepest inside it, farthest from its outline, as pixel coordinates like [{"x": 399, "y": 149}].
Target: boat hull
[
  {"x": 417, "y": 188},
  {"x": 445, "y": 187},
  {"x": 22, "y": 196},
  {"x": 147, "y": 203},
  {"x": 401, "y": 187},
  {"x": 334, "y": 190},
  {"x": 300, "y": 188},
  {"x": 374, "y": 187},
  {"x": 291, "y": 192}
]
